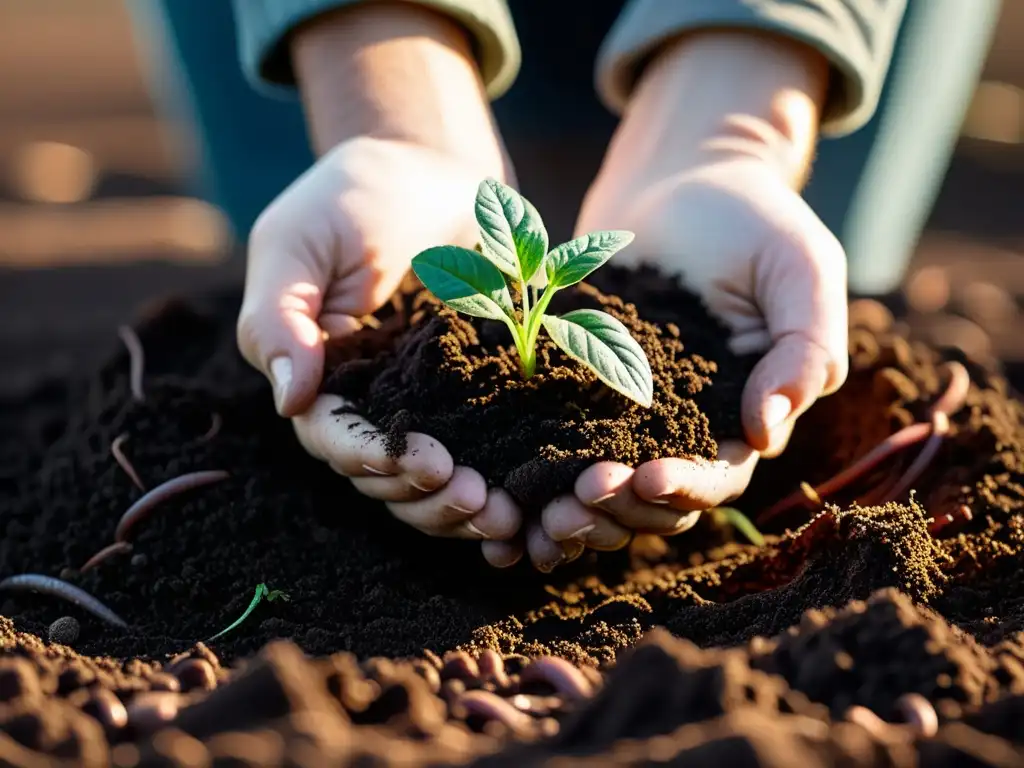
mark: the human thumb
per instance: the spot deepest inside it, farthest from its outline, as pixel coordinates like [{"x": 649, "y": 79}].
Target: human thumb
[
  {"x": 278, "y": 332},
  {"x": 800, "y": 287}
]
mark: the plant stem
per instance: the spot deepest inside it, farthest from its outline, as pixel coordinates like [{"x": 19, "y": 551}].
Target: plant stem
[
  {"x": 533, "y": 326},
  {"x": 527, "y": 356}
]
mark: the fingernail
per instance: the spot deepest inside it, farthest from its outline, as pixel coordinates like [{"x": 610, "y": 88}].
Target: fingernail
[
  {"x": 476, "y": 531},
  {"x": 281, "y": 375},
  {"x": 462, "y": 510},
  {"x": 663, "y": 499},
  {"x": 776, "y": 410},
  {"x": 573, "y": 554},
  {"x": 549, "y": 567},
  {"x": 419, "y": 487},
  {"x": 375, "y": 471},
  {"x": 600, "y": 500},
  {"x": 582, "y": 532}
]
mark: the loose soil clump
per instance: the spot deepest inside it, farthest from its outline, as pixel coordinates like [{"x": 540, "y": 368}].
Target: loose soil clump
[
  {"x": 859, "y": 635},
  {"x": 425, "y": 368}
]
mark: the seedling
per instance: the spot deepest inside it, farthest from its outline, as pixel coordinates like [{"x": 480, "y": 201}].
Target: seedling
[
  {"x": 739, "y": 521},
  {"x": 261, "y": 592},
  {"x": 514, "y": 247}
]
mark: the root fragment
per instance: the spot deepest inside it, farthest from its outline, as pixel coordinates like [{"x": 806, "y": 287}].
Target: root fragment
[
  {"x": 137, "y": 359},
  {"x": 122, "y": 460}
]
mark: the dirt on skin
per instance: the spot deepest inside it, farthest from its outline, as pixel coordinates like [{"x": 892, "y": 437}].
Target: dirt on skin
[
  {"x": 457, "y": 378},
  {"x": 710, "y": 651}
]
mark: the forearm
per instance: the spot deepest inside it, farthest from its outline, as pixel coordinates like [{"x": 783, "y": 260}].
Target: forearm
[
  {"x": 715, "y": 94},
  {"x": 394, "y": 71}
]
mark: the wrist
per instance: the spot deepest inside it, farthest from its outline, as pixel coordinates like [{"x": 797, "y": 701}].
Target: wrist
[
  {"x": 722, "y": 95},
  {"x": 395, "y": 71}
]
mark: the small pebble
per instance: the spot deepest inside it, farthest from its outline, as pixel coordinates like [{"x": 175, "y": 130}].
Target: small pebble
[
  {"x": 161, "y": 681},
  {"x": 139, "y": 561},
  {"x": 429, "y": 673},
  {"x": 64, "y": 631},
  {"x": 148, "y": 712},
  {"x": 18, "y": 678},
  {"x": 193, "y": 674},
  {"x": 68, "y": 574},
  {"x": 103, "y": 706}
]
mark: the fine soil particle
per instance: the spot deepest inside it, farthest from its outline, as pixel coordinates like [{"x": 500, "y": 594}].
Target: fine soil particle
[
  {"x": 762, "y": 657},
  {"x": 456, "y": 378}
]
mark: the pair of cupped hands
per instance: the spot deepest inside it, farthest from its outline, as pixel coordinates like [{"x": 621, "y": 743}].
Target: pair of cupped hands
[{"x": 335, "y": 245}]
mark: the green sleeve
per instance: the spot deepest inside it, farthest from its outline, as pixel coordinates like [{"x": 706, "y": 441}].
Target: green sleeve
[
  {"x": 856, "y": 36},
  {"x": 264, "y": 26}
]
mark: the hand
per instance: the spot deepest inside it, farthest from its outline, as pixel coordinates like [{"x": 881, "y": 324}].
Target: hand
[
  {"x": 400, "y": 167},
  {"x": 705, "y": 172}
]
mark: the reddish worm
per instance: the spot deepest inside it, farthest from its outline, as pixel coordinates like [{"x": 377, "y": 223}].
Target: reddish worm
[
  {"x": 126, "y": 465},
  {"x": 948, "y": 404},
  {"x": 137, "y": 359},
  {"x": 111, "y": 550},
  {"x": 215, "y": 424},
  {"x": 34, "y": 582},
  {"x": 492, "y": 707},
  {"x": 144, "y": 507},
  {"x": 560, "y": 675}
]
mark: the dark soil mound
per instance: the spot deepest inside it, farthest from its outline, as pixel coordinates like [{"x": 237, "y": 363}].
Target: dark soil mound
[
  {"x": 776, "y": 648},
  {"x": 456, "y": 378}
]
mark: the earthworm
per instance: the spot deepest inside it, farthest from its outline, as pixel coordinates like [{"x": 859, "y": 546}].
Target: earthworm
[
  {"x": 905, "y": 438},
  {"x": 215, "y": 424},
  {"x": 919, "y": 713},
  {"x": 136, "y": 357},
  {"x": 951, "y": 400},
  {"x": 963, "y": 512},
  {"x": 126, "y": 465},
  {"x": 560, "y": 675},
  {"x": 940, "y": 428},
  {"x": 142, "y": 508},
  {"x": 461, "y": 666},
  {"x": 492, "y": 707},
  {"x": 492, "y": 666},
  {"x": 536, "y": 705},
  {"x": 117, "y": 548},
  {"x": 48, "y": 585}
]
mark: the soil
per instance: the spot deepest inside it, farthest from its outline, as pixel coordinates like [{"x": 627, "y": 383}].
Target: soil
[
  {"x": 456, "y": 378},
  {"x": 699, "y": 651}
]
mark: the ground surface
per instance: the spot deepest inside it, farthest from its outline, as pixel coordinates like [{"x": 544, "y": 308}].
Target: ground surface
[{"x": 808, "y": 641}]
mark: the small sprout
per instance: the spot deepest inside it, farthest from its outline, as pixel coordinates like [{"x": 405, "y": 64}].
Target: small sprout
[
  {"x": 739, "y": 521},
  {"x": 514, "y": 247},
  {"x": 261, "y": 592}
]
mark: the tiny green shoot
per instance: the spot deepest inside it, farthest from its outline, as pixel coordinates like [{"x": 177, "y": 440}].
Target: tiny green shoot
[
  {"x": 514, "y": 249},
  {"x": 739, "y": 521},
  {"x": 261, "y": 593}
]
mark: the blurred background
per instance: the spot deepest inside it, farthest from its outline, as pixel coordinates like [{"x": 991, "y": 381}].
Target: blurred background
[{"x": 92, "y": 182}]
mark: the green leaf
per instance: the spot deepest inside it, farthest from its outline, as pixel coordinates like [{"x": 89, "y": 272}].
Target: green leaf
[
  {"x": 261, "y": 592},
  {"x": 603, "y": 344},
  {"x": 571, "y": 262},
  {"x": 513, "y": 234},
  {"x": 465, "y": 281}
]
